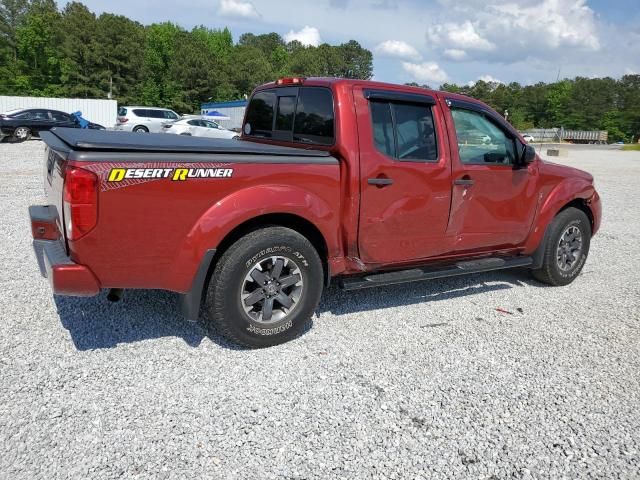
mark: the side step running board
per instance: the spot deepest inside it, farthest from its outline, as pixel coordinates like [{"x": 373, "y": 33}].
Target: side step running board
[{"x": 426, "y": 273}]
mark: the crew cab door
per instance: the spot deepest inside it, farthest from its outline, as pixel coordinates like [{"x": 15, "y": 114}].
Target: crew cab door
[
  {"x": 405, "y": 181},
  {"x": 493, "y": 198}
]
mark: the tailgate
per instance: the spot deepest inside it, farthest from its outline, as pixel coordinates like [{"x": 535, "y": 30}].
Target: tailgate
[{"x": 55, "y": 159}]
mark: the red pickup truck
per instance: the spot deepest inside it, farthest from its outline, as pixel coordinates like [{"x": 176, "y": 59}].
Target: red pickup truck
[{"x": 363, "y": 183}]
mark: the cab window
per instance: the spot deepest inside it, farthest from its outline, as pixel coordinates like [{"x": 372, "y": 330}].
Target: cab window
[
  {"x": 301, "y": 115},
  {"x": 480, "y": 141}
]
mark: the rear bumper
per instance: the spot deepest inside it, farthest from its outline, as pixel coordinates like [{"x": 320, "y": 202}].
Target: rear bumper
[{"x": 65, "y": 276}]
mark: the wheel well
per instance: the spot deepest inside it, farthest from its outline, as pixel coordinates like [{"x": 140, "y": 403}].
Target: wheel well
[
  {"x": 580, "y": 204},
  {"x": 302, "y": 226}
]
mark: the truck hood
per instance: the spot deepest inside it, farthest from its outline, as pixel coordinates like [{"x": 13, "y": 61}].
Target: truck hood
[{"x": 557, "y": 170}]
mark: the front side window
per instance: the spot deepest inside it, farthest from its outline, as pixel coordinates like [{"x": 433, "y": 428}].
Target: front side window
[
  {"x": 169, "y": 115},
  {"x": 480, "y": 141},
  {"x": 60, "y": 117},
  {"x": 404, "y": 131}
]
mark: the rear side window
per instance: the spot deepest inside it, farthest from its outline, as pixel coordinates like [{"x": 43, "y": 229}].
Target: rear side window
[
  {"x": 122, "y": 112},
  {"x": 404, "y": 131},
  {"x": 140, "y": 112},
  {"x": 260, "y": 115},
  {"x": 156, "y": 113},
  {"x": 314, "y": 116},
  {"x": 23, "y": 116},
  {"x": 302, "y": 115}
]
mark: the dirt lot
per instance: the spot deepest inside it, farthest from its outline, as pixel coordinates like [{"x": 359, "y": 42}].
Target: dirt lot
[{"x": 425, "y": 380}]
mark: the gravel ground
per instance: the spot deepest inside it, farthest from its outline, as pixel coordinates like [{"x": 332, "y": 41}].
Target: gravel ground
[{"x": 425, "y": 380}]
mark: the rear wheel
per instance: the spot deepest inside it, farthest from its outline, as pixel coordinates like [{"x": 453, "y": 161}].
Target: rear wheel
[
  {"x": 141, "y": 129},
  {"x": 265, "y": 288},
  {"x": 21, "y": 134},
  {"x": 566, "y": 249}
]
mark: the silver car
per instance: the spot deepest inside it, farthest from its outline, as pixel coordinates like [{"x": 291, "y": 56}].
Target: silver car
[
  {"x": 199, "y": 127},
  {"x": 144, "y": 119}
]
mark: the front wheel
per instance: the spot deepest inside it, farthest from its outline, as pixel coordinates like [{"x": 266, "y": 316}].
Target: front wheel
[
  {"x": 265, "y": 288},
  {"x": 566, "y": 249}
]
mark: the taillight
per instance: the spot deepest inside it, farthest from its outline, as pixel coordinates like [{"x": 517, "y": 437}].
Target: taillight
[
  {"x": 123, "y": 119},
  {"x": 80, "y": 199}
]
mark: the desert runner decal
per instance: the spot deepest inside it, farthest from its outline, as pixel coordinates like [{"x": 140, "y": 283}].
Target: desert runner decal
[
  {"x": 110, "y": 173},
  {"x": 174, "y": 174}
]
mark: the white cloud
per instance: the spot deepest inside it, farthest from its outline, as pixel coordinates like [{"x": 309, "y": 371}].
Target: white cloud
[
  {"x": 455, "y": 54},
  {"x": 485, "y": 78},
  {"x": 459, "y": 36},
  {"x": 512, "y": 30},
  {"x": 307, "y": 36},
  {"x": 489, "y": 79},
  {"x": 398, "y": 48},
  {"x": 425, "y": 72},
  {"x": 237, "y": 8}
]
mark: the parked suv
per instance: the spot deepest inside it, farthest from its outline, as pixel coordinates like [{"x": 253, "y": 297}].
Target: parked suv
[{"x": 144, "y": 119}]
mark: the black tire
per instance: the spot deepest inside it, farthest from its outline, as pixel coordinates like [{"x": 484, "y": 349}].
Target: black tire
[
  {"x": 233, "y": 278},
  {"x": 551, "y": 271},
  {"x": 140, "y": 129},
  {"x": 21, "y": 134}
]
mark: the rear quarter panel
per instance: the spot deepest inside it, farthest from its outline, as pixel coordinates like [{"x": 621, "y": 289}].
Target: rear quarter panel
[{"x": 153, "y": 233}]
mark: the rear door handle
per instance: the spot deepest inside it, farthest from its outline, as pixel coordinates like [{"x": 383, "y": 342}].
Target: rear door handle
[
  {"x": 380, "y": 182},
  {"x": 463, "y": 181}
]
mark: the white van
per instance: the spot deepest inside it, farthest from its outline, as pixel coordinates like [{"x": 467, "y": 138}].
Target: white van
[{"x": 144, "y": 119}]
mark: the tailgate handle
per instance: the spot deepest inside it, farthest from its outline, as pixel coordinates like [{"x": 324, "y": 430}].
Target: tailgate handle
[{"x": 380, "y": 182}]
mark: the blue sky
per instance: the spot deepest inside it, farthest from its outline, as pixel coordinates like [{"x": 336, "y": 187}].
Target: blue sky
[{"x": 434, "y": 41}]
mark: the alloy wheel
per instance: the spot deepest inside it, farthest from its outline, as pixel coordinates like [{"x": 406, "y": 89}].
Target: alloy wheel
[{"x": 271, "y": 290}]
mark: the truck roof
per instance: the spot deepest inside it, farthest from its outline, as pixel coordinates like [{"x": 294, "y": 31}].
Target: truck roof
[{"x": 334, "y": 81}]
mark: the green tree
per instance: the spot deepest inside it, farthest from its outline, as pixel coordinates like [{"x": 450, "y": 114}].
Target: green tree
[{"x": 119, "y": 57}]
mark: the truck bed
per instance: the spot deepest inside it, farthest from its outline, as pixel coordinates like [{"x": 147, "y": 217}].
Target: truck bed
[{"x": 81, "y": 144}]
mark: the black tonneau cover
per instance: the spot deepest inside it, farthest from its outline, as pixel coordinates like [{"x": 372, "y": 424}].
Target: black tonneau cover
[{"x": 79, "y": 140}]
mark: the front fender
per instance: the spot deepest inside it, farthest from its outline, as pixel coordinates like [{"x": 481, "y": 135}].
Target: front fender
[
  {"x": 241, "y": 206},
  {"x": 550, "y": 205}
]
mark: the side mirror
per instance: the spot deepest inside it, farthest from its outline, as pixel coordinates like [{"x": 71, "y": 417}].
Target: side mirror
[{"x": 529, "y": 155}]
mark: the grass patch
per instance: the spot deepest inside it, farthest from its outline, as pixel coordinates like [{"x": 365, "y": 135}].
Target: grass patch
[{"x": 632, "y": 148}]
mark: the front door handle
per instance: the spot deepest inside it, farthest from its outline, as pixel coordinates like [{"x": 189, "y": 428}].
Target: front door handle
[
  {"x": 466, "y": 181},
  {"x": 380, "y": 182}
]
